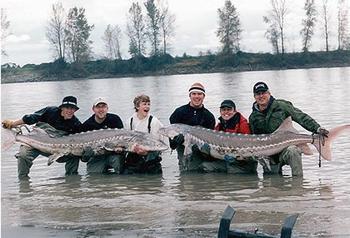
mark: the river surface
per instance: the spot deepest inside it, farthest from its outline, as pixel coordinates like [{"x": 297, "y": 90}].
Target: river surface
[{"x": 174, "y": 204}]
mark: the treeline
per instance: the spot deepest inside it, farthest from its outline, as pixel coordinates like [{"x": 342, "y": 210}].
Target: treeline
[
  {"x": 150, "y": 29},
  {"x": 166, "y": 64}
]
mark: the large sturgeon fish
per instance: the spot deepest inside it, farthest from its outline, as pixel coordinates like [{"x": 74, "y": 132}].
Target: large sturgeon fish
[
  {"x": 101, "y": 141},
  {"x": 242, "y": 146}
]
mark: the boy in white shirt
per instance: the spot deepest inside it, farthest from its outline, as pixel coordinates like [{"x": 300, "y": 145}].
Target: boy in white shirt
[{"x": 142, "y": 120}]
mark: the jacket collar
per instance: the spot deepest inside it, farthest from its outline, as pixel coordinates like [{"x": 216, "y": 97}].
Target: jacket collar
[{"x": 256, "y": 108}]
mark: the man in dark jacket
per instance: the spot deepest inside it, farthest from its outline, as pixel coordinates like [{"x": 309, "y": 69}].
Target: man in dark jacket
[
  {"x": 60, "y": 121},
  {"x": 267, "y": 115},
  {"x": 194, "y": 114},
  {"x": 101, "y": 119}
]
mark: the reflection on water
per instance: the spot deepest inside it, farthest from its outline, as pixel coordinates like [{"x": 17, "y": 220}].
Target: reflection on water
[{"x": 174, "y": 205}]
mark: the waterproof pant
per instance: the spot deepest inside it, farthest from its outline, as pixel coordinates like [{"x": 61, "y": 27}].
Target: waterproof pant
[
  {"x": 197, "y": 161},
  {"x": 27, "y": 155},
  {"x": 102, "y": 163},
  {"x": 290, "y": 156},
  {"x": 190, "y": 162},
  {"x": 246, "y": 166},
  {"x": 147, "y": 164}
]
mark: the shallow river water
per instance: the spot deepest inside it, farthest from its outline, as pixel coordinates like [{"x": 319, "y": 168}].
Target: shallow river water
[{"x": 174, "y": 204}]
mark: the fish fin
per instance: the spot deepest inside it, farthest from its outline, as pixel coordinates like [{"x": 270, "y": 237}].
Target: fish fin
[
  {"x": 113, "y": 147},
  {"x": 119, "y": 149},
  {"x": 188, "y": 145},
  {"x": 287, "y": 125},
  {"x": 42, "y": 132},
  {"x": 52, "y": 132},
  {"x": 187, "y": 150},
  {"x": 38, "y": 130},
  {"x": 325, "y": 150},
  {"x": 55, "y": 157},
  {"x": 8, "y": 138},
  {"x": 305, "y": 149},
  {"x": 108, "y": 147},
  {"x": 116, "y": 148}
]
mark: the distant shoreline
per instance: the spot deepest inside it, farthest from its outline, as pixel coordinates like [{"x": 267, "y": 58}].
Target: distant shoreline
[
  {"x": 36, "y": 77},
  {"x": 173, "y": 66}
]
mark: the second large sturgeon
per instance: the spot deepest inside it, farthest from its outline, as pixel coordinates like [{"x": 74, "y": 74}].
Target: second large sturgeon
[
  {"x": 242, "y": 146},
  {"x": 101, "y": 141}
]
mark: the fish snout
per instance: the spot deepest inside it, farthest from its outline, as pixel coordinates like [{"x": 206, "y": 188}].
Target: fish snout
[{"x": 168, "y": 132}]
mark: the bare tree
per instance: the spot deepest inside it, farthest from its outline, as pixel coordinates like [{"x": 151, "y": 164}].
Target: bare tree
[
  {"x": 343, "y": 24},
  {"x": 136, "y": 30},
  {"x": 111, "y": 39},
  {"x": 77, "y": 35},
  {"x": 326, "y": 20},
  {"x": 272, "y": 34},
  {"x": 5, "y": 24},
  {"x": 153, "y": 26},
  {"x": 55, "y": 30},
  {"x": 308, "y": 24},
  {"x": 229, "y": 31},
  {"x": 167, "y": 21},
  {"x": 277, "y": 16}
]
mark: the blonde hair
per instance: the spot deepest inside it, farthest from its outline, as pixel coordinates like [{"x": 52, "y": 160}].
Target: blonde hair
[{"x": 140, "y": 98}]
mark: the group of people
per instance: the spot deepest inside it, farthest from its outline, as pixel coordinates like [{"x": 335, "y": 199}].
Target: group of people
[
  {"x": 267, "y": 114},
  {"x": 61, "y": 120}
]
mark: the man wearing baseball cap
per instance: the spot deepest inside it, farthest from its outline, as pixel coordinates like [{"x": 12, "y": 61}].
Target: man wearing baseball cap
[
  {"x": 102, "y": 119},
  {"x": 267, "y": 115},
  {"x": 56, "y": 121},
  {"x": 194, "y": 114}
]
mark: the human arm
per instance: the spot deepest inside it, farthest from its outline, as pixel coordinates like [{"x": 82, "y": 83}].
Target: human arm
[
  {"x": 174, "y": 118},
  {"x": 217, "y": 127},
  {"x": 117, "y": 122},
  {"x": 37, "y": 116},
  {"x": 244, "y": 126},
  {"x": 7, "y": 123},
  {"x": 176, "y": 141},
  {"x": 209, "y": 120},
  {"x": 26, "y": 119},
  {"x": 301, "y": 117}
]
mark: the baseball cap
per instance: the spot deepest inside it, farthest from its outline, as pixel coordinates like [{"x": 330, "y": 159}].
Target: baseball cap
[
  {"x": 228, "y": 103},
  {"x": 260, "y": 87},
  {"x": 99, "y": 100}
]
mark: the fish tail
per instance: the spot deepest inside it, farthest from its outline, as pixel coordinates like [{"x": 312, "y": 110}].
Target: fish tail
[
  {"x": 325, "y": 148},
  {"x": 8, "y": 138}
]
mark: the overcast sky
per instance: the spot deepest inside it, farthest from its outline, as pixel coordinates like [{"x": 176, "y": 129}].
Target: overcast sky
[{"x": 195, "y": 26}]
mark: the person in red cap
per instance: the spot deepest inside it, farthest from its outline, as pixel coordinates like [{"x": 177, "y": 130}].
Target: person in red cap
[
  {"x": 102, "y": 119},
  {"x": 56, "y": 121},
  {"x": 194, "y": 114}
]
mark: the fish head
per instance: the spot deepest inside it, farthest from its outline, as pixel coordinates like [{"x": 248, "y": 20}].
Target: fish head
[
  {"x": 172, "y": 130},
  {"x": 148, "y": 142}
]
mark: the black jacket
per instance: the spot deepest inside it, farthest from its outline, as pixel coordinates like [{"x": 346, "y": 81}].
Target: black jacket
[
  {"x": 193, "y": 116},
  {"x": 111, "y": 121},
  {"x": 52, "y": 116}
]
